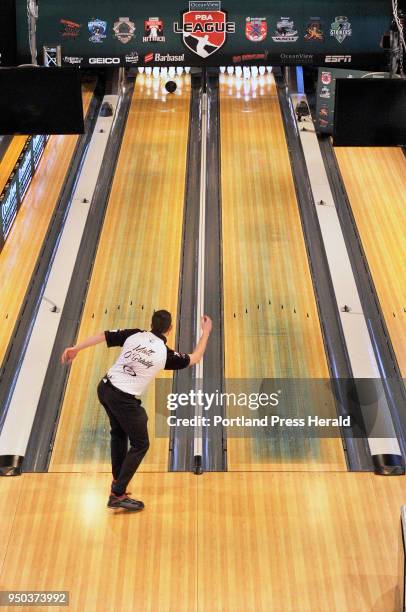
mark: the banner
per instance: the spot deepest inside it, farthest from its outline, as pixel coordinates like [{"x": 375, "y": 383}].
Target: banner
[
  {"x": 211, "y": 32},
  {"x": 326, "y": 88},
  {"x": 7, "y": 33}
]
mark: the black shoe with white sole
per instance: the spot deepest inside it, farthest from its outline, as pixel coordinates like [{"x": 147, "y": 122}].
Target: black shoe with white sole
[{"x": 123, "y": 501}]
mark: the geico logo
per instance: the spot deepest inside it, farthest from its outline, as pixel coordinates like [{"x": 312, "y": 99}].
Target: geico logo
[
  {"x": 336, "y": 59},
  {"x": 104, "y": 60}
]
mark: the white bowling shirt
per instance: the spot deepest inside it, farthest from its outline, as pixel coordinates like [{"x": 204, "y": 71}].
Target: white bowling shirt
[{"x": 144, "y": 354}]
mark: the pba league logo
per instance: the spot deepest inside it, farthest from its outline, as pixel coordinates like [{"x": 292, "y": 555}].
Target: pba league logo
[
  {"x": 285, "y": 31},
  {"x": 154, "y": 30},
  {"x": 97, "y": 30},
  {"x": 340, "y": 29},
  {"x": 124, "y": 29},
  {"x": 314, "y": 33},
  {"x": 256, "y": 28},
  {"x": 204, "y": 27}
]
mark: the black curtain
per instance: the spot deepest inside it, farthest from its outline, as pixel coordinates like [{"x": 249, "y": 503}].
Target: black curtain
[{"x": 8, "y": 39}]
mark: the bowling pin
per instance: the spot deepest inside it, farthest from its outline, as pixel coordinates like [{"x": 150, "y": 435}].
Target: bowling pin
[
  {"x": 187, "y": 69},
  {"x": 230, "y": 70},
  {"x": 171, "y": 71},
  {"x": 141, "y": 69},
  {"x": 238, "y": 72},
  {"x": 179, "y": 70},
  {"x": 155, "y": 72},
  {"x": 164, "y": 72},
  {"x": 222, "y": 69},
  {"x": 254, "y": 71},
  {"x": 262, "y": 70},
  {"x": 148, "y": 71},
  {"x": 269, "y": 68}
]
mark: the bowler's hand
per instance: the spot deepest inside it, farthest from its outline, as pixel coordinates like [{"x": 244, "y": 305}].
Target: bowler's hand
[
  {"x": 207, "y": 324},
  {"x": 69, "y": 354}
]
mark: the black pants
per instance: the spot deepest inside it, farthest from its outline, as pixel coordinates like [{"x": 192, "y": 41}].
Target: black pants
[{"x": 128, "y": 421}]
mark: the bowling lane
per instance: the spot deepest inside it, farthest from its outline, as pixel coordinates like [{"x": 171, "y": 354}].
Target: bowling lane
[
  {"x": 136, "y": 269},
  {"x": 271, "y": 324},
  {"x": 24, "y": 242},
  {"x": 10, "y": 159},
  {"x": 375, "y": 180}
]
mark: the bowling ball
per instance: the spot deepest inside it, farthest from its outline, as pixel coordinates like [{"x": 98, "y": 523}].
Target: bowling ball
[{"x": 170, "y": 86}]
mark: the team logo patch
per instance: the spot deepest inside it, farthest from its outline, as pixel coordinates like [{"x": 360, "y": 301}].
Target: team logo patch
[
  {"x": 314, "y": 32},
  {"x": 340, "y": 29},
  {"x": 204, "y": 27},
  {"x": 326, "y": 78},
  {"x": 70, "y": 29},
  {"x": 154, "y": 30},
  {"x": 256, "y": 28},
  {"x": 285, "y": 31},
  {"x": 97, "y": 30},
  {"x": 124, "y": 29}
]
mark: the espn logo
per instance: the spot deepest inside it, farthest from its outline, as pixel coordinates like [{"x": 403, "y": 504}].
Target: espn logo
[{"x": 337, "y": 59}]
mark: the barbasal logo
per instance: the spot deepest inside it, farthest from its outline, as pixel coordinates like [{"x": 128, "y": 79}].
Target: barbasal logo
[
  {"x": 340, "y": 29},
  {"x": 124, "y": 29},
  {"x": 204, "y": 27},
  {"x": 154, "y": 30},
  {"x": 132, "y": 58},
  {"x": 97, "y": 30},
  {"x": 256, "y": 28},
  {"x": 314, "y": 32},
  {"x": 337, "y": 59},
  {"x": 70, "y": 29},
  {"x": 157, "y": 57},
  {"x": 285, "y": 31}
]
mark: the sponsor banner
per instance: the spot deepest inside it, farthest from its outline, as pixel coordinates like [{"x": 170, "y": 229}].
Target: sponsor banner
[
  {"x": 213, "y": 32},
  {"x": 159, "y": 58},
  {"x": 104, "y": 61},
  {"x": 326, "y": 92},
  {"x": 338, "y": 59},
  {"x": 74, "y": 61}
]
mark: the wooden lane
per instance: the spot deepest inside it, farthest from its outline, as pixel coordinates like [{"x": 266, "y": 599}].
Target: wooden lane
[
  {"x": 136, "y": 270},
  {"x": 312, "y": 542},
  {"x": 24, "y": 242},
  {"x": 63, "y": 537},
  {"x": 10, "y": 491},
  {"x": 375, "y": 180},
  {"x": 271, "y": 324},
  {"x": 226, "y": 542},
  {"x": 10, "y": 159}
]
